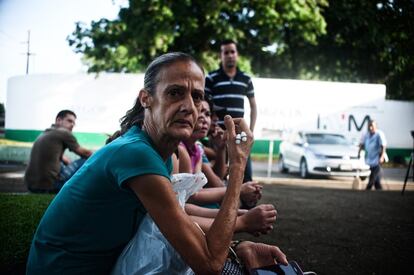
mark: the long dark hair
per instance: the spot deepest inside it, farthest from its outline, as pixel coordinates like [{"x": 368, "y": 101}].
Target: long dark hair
[{"x": 135, "y": 115}]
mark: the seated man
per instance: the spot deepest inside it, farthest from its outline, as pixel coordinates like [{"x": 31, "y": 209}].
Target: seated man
[{"x": 48, "y": 168}]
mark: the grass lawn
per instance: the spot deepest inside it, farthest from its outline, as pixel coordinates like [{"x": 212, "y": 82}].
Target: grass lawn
[{"x": 19, "y": 216}]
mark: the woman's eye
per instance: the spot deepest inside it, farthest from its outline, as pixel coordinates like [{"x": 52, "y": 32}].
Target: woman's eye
[
  {"x": 197, "y": 97},
  {"x": 174, "y": 92}
]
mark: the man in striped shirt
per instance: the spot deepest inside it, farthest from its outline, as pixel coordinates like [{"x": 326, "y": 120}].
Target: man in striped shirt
[{"x": 228, "y": 87}]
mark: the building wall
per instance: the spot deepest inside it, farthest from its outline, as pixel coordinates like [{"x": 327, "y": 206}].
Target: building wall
[{"x": 283, "y": 105}]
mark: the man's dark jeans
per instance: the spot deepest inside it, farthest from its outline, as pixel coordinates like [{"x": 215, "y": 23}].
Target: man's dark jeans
[
  {"x": 67, "y": 171},
  {"x": 375, "y": 177},
  {"x": 248, "y": 173}
]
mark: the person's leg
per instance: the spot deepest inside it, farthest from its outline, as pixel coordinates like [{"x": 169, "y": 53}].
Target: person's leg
[
  {"x": 371, "y": 179},
  {"x": 248, "y": 171},
  {"x": 67, "y": 171},
  {"x": 378, "y": 178}
]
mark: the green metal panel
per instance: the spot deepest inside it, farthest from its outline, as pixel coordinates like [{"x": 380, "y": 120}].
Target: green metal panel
[
  {"x": 85, "y": 139},
  {"x": 261, "y": 147},
  {"x": 22, "y": 135}
]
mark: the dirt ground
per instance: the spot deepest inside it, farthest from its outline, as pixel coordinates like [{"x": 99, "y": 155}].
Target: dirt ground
[{"x": 334, "y": 231}]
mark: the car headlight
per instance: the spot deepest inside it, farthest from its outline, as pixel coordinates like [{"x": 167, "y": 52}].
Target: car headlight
[{"x": 316, "y": 155}]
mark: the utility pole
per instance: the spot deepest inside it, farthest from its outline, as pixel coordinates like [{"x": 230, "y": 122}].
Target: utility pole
[{"x": 28, "y": 53}]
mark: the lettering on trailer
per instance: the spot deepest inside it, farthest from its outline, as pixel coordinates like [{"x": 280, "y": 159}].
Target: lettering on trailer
[
  {"x": 351, "y": 119},
  {"x": 333, "y": 124}
]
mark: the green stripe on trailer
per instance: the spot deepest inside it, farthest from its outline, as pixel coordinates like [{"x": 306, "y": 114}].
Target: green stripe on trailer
[
  {"x": 399, "y": 155},
  {"x": 261, "y": 147},
  {"x": 22, "y": 135},
  {"x": 85, "y": 139}
]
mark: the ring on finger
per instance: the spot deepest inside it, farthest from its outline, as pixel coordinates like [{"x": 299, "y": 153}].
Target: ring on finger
[
  {"x": 243, "y": 136},
  {"x": 238, "y": 138}
]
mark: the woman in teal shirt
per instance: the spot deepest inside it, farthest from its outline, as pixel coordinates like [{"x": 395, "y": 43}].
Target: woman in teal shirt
[{"x": 97, "y": 212}]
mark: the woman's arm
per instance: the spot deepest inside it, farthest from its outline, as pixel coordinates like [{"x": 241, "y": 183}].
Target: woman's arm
[
  {"x": 208, "y": 195},
  {"x": 256, "y": 221},
  {"x": 200, "y": 252},
  {"x": 204, "y": 254},
  {"x": 250, "y": 193},
  {"x": 176, "y": 164},
  {"x": 212, "y": 179},
  {"x": 195, "y": 210},
  {"x": 184, "y": 160},
  {"x": 198, "y": 165}
]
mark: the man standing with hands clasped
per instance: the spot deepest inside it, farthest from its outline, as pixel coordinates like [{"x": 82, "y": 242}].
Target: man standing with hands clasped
[
  {"x": 228, "y": 86},
  {"x": 374, "y": 143}
]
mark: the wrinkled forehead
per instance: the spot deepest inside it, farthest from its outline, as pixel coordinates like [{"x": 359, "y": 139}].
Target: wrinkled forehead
[{"x": 181, "y": 71}]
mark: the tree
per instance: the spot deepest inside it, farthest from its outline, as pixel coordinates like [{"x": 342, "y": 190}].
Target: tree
[
  {"x": 148, "y": 28},
  {"x": 354, "y": 41},
  {"x": 367, "y": 41}
]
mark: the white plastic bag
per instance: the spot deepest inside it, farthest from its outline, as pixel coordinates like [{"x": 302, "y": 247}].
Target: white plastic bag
[{"x": 148, "y": 252}]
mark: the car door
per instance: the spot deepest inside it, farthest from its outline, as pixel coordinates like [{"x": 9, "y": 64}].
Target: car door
[
  {"x": 293, "y": 150},
  {"x": 297, "y": 149},
  {"x": 286, "y": 150}
]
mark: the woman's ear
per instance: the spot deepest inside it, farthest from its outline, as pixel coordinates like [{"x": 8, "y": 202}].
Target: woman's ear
[{"x": 145, "y": 98}]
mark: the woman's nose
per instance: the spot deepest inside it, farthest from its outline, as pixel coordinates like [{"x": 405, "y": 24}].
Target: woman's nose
[{"x": 188, "y": 104}]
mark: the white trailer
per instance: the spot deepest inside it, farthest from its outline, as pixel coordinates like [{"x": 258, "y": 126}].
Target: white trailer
[{"x": 99, "y": 101}]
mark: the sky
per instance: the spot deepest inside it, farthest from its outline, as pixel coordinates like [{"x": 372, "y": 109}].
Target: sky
[{"x": 49, "y": 22}]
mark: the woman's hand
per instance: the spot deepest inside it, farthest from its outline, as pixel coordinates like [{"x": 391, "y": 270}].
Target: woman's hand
[
  {"x": 258, "y": 220},
  {"x": 254, "y": 255},
  {"x": 238, "y": 153},
  {"x": 251, "y": 193}
]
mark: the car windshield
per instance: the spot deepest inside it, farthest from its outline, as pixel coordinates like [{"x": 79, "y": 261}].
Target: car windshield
[{"x": 326, "y": 139}]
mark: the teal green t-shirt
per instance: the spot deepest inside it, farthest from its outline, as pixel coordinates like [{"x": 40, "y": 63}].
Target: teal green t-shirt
[{"x": 95, "y": 215}]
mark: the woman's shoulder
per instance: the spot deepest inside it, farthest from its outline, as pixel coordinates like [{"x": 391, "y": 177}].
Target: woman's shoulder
[
  {"x": 132, "y": 143},
  {"x": 134, "y": 137}
]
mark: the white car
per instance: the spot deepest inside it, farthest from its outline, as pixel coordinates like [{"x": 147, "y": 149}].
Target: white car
[{"x": 320, "y": 153}]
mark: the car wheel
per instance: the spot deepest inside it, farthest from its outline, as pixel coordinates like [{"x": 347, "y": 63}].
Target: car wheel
[
  {"x": 282, "y": 166},
  {"x": 303, "y": 169},
  {"x": 363, "y": 178}
]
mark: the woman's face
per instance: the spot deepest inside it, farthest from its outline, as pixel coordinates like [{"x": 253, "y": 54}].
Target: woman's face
[
  {"x": 203, "y": 122},
  {"x": 178, "y": 99}
]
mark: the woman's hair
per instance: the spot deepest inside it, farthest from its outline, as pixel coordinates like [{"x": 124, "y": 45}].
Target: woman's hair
[
  {"x": 135, "y": 115},
  {"x": 209, "y": 99}
]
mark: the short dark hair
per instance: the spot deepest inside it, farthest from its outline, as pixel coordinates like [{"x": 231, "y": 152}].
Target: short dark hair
[
  {"x": 227, "y": 41},
  {"x": 209, "y": 99},
  {"x": 62, "y": 114},
  {"x": 371, "y": 121}
]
